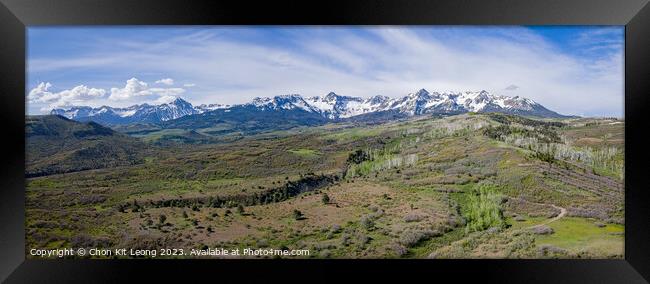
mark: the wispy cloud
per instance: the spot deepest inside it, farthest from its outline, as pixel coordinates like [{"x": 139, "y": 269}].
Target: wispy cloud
[
  {"x": 233, "y": 65},
  {"x": 511, "y": 88},
  {"x": 166, "y": 81}
]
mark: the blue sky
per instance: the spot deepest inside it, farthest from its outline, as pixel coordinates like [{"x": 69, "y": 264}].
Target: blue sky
[{"x": 572, "y": 70}]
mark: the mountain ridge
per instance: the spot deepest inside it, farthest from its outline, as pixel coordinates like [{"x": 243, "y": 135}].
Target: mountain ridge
[
  {"x": 56, "y": 145},
  {"x": 331, "y": 107}
]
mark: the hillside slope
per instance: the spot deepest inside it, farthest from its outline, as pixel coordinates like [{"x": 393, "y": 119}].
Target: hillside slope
[
  {"x": 59, "y": 145},
  {"x": 464, "y": 186},
  {"x": 246, "y": 120}
]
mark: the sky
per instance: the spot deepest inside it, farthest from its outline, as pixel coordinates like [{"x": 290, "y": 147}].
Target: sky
[{"x": 576, "y": 70}]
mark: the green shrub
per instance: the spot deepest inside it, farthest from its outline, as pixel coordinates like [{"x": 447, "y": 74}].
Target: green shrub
[
  {"x": 297, "y": 214},
  {"x": 326, "y": 198},
  {"x": 413, "y": 236},
  {"x": 358, "y": 156},
  {"x": 484, "y": 209},
  {"x": 547, "y": 156},
  {"x": 367, "y": 221}
]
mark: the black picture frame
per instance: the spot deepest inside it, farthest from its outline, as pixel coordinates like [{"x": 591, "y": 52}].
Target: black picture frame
[{"x": 16, "y": 15}]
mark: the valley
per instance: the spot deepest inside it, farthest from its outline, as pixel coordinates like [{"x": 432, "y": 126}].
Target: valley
[{"x": 466, "y": 185}]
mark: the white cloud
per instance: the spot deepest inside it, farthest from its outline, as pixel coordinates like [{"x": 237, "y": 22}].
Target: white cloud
[
  {"x": 338, "y": 55},
  {"x": 74, "y": 96},
  {"x": 167, "y": 91},
  {"x": 38, "y": 93},
  {"x": 133, "y": 88},
  {"x": 391, "y": 61},
  {"x": 166, "y": 81},
  {"x": 134, "y": 92},
  {"x": 43, "y": 65},
  {"x": 189, "y": 85},
  {"x": 165, "y": 99}
]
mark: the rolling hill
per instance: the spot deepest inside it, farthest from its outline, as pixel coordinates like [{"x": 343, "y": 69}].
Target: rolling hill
[
  {"x": 56, "y": 145},
  {"x": 458, "y": 186}
]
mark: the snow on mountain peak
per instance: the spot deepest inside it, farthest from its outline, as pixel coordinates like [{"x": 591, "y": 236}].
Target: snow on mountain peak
[
  {"x": 331, "y": 106},
  {"x": 422, "y": 93},
  {"x": 331, "y": 96},
  {"x": 135, "y": 113},
  {"x": 210, "y": 107},
  {"x": 334, "y": 106}
]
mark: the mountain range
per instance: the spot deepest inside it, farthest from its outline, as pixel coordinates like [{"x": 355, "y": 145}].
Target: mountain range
[{"x": 331, "y": 107}]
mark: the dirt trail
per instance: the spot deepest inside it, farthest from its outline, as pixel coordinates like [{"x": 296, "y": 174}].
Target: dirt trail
[{"x": 558, "y": 217}]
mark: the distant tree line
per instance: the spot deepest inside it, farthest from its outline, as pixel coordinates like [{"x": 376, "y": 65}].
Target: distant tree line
[{"x": 290, "y": 189}]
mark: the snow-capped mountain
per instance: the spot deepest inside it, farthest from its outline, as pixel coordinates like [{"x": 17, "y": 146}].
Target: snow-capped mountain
[
  {"x": 333, "y": 106},
  {"x": 210, "y": 107},
  {"x": 284, "y": 102},
  {"x": 330, "y": 107},
  {"x": 143, "y": 113},
  {"x": 422, "y": 102}
]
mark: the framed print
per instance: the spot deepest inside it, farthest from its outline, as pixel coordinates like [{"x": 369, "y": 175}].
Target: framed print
[{"x": 500, "y": 137}]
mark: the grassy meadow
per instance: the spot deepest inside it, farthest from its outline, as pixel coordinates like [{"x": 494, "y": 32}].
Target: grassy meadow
[{"x": 463, "y": 186}]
